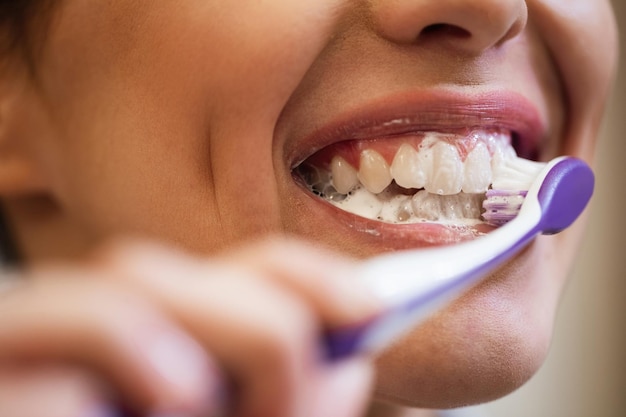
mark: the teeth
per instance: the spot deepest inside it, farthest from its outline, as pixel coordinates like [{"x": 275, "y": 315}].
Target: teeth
[
  {"x": 426, "y": 206},
  {"x": 363, "y": 203},
  {"x": 405, "y": 210},
  {"x": 398, "y": 209},
  {"x": 450, "y": 207},
  {"x": 374, "y": 171},
  {"x": 451, "y": 190},
  {"x": 447, "y": 175},
  {"x": 435, "y": 166},
  {"x": 478, "y": 174},
  {"x": 345, "y": 177},
  {"x": 409, "y": 167}
]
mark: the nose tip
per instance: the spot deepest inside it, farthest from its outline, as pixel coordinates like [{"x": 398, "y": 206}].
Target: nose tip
[{"x": 472, "y": 26}]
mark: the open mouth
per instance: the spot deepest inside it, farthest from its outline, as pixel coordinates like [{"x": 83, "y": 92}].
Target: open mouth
[{"x": 418, "y": 177}]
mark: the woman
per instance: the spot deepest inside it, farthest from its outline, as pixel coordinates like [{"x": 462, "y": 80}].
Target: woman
[{"x": 208, "y": 125}]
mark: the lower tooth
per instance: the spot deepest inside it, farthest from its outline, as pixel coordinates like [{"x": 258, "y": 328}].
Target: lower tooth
[
  {"x": 398, "y": 209},
  {"x": 451, "y": 208},
  {"x": 447, "y": 208},
  {"x": 362, "y": 203},
  {"x": 426, "y": 206},
  {"x": 472, "y": 208},
  {"x": 405, "y": 211}
]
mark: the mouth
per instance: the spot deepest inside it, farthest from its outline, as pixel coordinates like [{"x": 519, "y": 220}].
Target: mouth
[{"x": 424, "y": 174}]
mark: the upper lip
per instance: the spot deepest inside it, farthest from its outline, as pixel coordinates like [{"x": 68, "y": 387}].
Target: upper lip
[{"x": 434, "y": 111}]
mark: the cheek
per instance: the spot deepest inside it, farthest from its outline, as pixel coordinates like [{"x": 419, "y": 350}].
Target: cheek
[
  {"x": 582, "y": 36},
  {"x": 251, "y": 56},
  {"x": 169, "y": 120}
]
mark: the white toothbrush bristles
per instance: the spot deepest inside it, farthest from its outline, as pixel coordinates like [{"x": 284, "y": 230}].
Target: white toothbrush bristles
[
  {"x": 512, "y": 180},
  {"x": 502, "y": 206}
]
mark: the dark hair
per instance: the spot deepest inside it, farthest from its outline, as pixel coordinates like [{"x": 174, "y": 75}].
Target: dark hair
[
  {"x": 9, "y": 253},
  {"x": 23, "y": 24}
]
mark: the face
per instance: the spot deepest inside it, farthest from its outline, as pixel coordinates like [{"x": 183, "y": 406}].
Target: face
[{"x": 205, "y": 123}]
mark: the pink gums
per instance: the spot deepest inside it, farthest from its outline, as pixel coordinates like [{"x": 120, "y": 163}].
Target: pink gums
[{"x": 350, "y": 150}]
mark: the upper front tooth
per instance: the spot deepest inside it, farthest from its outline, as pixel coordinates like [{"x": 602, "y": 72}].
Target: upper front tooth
[
  {"x": 374, "y": 171},
  {"x": 447, "y": 175},
  {"x": 344, "y": 175},
  {"x": 478, "y": 174},
  {"x": 407, "y": 167}
]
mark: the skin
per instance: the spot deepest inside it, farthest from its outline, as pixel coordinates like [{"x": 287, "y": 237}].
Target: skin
[{"x": 142, "y": 119}]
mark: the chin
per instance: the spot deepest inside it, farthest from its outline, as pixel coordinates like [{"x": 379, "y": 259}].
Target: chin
[{"x": 484, "y": 346}]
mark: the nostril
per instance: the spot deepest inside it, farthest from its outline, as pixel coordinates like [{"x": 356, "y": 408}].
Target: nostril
[{"x": 445, "y": 29}]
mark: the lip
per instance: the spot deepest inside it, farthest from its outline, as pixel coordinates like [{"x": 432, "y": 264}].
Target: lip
[{"x": 406, "y": 113}]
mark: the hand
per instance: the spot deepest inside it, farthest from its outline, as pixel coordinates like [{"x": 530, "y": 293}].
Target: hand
[
  {"x": 50, "y": 391},
  {"x": 172, "y": 334}
]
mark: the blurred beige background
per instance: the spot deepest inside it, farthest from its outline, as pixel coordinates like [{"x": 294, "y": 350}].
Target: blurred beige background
[{"x": 585, "y": 374}]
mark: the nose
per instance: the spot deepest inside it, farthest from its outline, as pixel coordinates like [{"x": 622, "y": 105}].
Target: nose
[{"x": 471, "y": 26}]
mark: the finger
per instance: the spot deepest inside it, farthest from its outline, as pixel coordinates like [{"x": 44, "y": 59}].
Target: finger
[
  {"x": 343, "y": 389},
  {"x": 51, "y": 391},
  {"x": 152, "y": 362},
  {"x": 264, "y": 331},
  {"x": 262, "y": 336},
  {"x": 326, "y": 279}
]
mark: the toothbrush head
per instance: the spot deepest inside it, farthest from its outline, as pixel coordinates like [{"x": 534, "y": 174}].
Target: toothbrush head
[
  {"x": 502, "y": 206},
  {"x": 566, "y": 187}
]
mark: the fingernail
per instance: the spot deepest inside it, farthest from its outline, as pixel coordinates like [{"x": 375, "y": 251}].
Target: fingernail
[
  {"x": 169, "y": 415},
  {"x": 101, "y": 410},
  {"x": 213, "y": 414},
  {"x": 184, "y": 364}
]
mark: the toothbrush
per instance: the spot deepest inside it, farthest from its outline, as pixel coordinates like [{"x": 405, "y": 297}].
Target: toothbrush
[{"x": 415, "y": 283}]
